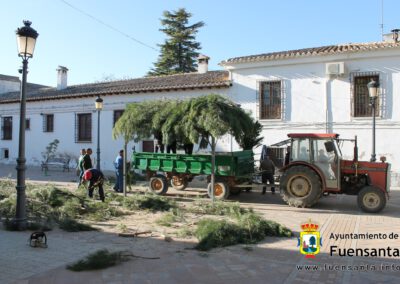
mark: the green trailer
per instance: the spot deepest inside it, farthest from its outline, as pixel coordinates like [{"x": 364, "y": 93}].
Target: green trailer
[{"x": 232, "y": 169}]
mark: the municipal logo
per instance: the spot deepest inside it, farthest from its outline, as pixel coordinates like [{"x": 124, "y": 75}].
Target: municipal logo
[{"x": 310, "y": 240}]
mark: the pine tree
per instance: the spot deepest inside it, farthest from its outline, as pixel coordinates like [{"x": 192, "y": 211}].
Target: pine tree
[{"x": 179, "y": 51}]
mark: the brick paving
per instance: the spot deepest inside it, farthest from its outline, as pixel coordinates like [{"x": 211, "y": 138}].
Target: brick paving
[{"x": 274, "y": 260}]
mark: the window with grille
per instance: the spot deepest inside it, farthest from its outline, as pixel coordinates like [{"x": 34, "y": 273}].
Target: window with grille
[
  {"x": 362, "y": 106},
  {"x": 6, "y": 127},
  {"x": 48, "y": 123},
  {"x": 270, "y": 100},
  {"x": 117, "y": 114},
  {"x": 84, "y": 127}
]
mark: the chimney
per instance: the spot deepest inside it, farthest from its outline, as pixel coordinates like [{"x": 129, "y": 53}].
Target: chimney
[
  {"x": 392, "y": 37},
  {"x": 202, "y": 65},
  {"x": 62, "y": 77}
]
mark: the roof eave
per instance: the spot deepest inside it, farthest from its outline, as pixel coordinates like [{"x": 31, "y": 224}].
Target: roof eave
[{"x": 223, "y": 84}]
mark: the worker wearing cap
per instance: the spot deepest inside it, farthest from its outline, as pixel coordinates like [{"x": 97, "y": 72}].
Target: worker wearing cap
[{"x": 95, "y": 178}]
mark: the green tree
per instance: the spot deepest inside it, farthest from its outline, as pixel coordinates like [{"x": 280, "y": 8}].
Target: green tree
[
  {"x": 51, "y": 149},
  {"x": 250, "y": 137},
  {"x": 142, "y": 120},
  {"x": 179, "y": 51}
]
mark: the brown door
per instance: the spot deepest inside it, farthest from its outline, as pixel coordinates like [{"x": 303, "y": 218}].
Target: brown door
[{"x": 148, "y": 146}]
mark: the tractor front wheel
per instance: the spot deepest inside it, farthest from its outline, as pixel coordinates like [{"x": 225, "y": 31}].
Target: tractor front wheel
[
  {"x": 158, "y": 184},
  {"x": 221, "y": 190},
  {"x": 300, "y": 186},
  {"x": 371, "y": 199}
]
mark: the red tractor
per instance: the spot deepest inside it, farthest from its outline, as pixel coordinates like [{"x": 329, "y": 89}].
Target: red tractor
[{"x": 315, "y": 167}]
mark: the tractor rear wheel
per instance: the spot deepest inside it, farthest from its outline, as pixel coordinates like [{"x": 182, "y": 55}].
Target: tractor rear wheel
[
  {"x": 158, "y": 184},
  {"x": 300, "y": 186},
  {"x": 179, "y": 183},
  {"x": 371, "y": 199},
  {"x": 221, "y": 190}
]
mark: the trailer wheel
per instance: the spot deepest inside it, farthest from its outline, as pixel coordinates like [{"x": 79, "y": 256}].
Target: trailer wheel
[
  {"x": 179, "y": 183},
  {"x": 158, "y": 184},
  {"x": 371, "y": 199},
  {"x": 221, "y": 190},
  {"x": 300, "y": 186}
]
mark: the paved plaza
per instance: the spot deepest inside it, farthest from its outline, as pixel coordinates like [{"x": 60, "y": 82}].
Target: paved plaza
[{"x": 275, "y": 260}]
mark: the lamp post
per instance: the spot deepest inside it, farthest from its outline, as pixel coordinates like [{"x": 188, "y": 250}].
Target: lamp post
[
  {"x": 99, "y": 107},
  {"x": 26, "y": 40},
  {"x": 373, "y": 95}
]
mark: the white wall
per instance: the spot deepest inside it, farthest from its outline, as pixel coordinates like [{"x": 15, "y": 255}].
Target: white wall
[{"x": 64, "y": 125}]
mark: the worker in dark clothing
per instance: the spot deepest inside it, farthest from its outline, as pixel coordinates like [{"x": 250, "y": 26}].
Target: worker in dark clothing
[
  {"x": 96, "y": 179},
  {"x": 287, "y": 156},
  {"x": 188, "y": 147},
  {"x": 268, "y": 170},
  {"x": 87, "y": 161},
  {"x": 171, "y": 148}
]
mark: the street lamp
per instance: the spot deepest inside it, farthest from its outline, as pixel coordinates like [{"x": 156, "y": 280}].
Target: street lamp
[
  {"x": 373, "y": 95},
  {"x": 99, "y": 107},
  {"x": 26, "y": 40}
]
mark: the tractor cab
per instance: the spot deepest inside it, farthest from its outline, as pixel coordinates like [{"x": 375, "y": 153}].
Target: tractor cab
[{"x": 320, "y": 152}]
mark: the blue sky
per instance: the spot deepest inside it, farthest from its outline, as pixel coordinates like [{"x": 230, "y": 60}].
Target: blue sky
[{"x": 233, "y": 28}]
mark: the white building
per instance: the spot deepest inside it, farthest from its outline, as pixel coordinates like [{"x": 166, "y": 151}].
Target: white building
[
  {"x": 320, "y": 89},
  {"x": 67, "y": 113},
  {"x": 324, "y": 89}
]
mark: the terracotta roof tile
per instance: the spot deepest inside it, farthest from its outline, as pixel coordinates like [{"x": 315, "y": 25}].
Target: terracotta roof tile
[
  {"x": 211, "y": 79},
  {"x": 315, "y": 51}
]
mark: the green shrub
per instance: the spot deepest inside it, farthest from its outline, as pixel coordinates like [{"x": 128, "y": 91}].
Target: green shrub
[
  {"x": 220, "y": 208},
  {"x": 98, "y": 260},
  {"x": 185, "y": 233},
  {"x": 71, "y": 208},
  {"x": 7, "y": 188},
  {"x": 101, "y": 211},
  {"x": 249, "y": 228},
  {"x": 37, "y": 210},
  {"x": 150, "y": 202},
  {"x": 70, "y": 225},
  {"x": 257, "y": 228},
  {"x": 216, "y": 233},
  {"x": 52, "y": 195},
  {"x": 167, "y": 220},
  {"x": 8, "y": 206}
]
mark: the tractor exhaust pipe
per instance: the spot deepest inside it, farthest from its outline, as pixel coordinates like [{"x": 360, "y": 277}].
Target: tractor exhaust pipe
[{"x": 355, "y": 157}]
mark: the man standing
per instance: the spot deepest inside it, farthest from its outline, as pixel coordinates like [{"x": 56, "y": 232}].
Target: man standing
[
  {"x": 96, "y": 179},
  {"x": 287, "y": 156},
  {"x": 80, "y": 166},
  {"x": 119, "y": 162},
  {"x": 87, "y": 161},
  {"x": 268, "y": 171}
]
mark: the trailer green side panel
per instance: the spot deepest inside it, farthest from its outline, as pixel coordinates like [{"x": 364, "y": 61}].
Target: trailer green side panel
[{"x": 240, "y": 163}]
